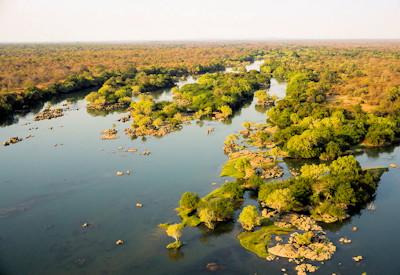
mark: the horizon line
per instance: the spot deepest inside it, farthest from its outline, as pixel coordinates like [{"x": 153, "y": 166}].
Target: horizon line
[{"x": 162, "y": 41}]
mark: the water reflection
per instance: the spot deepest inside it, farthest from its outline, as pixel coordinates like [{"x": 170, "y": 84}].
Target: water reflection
[
  {"x": 175, "y": 254},
  {"x": 222, "y": 228},
  {"x": 375, "y": 153}
]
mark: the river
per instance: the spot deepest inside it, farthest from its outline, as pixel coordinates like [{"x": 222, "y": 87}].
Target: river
[{"x": 65, "y": 175}]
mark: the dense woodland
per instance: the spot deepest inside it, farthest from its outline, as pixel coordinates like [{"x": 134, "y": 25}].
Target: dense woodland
[{"x": 364, "y": 73}]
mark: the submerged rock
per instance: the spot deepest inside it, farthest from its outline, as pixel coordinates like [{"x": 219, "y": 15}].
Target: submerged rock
[
  {"x": 358, "y": 258},
  {"x": 49, "y": 113},
  {"x": 120, "y": 173},
  {"x": 302, "y": 222},
  {"x": 271, "y": 257},
  {"x": 124, "y": 119},
  {"x": 85, "y": 225},
  {"x": 109, "y": 134},
  {"x": 303, "y": 269},
  {"x": 119, "y": 242},
  {"x": 12, "y": 140},
  {"x": 213, "y": 267},
  {"x": 146, "y": 153},
  {"x": 344, "y": 240}
]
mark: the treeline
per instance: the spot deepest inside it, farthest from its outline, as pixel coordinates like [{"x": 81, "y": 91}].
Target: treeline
[
  {"x": 369, "y": 77},
  {"x": 10, "y": 102}
]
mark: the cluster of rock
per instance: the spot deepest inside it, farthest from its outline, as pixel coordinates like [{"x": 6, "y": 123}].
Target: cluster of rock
[
  {"x": 121, "y": 173},
  {"x": 143, "y": 131},
  {"x": 303, "y": 269},
  {"x": 269, "y": 102},
  {"x": 320, "y": 248},
  {"x": 109, "y": 134},
  {"x": 219, "y": 116},
  {"x": 261, "y": 164},
  {"x": 210, "y": 130},
  {"x": 49, "y": 113},
  {"x": 272, "y": 172},
  {"x": 12, "y": 140},
  {"x": 344, "y": 240},
  {"x": 124, "y": 118},
  {"x": 146, "y": 153},
  {"x": 108, "y": 106},
  {"x": 232, "y": 147},
  {"x": 308, "y": 242}
]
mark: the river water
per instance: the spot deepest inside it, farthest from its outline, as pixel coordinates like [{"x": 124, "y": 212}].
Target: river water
[{"x": 65, "y": 175}]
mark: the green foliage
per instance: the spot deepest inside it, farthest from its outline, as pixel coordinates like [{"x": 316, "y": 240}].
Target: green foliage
[
  {"x": 281, "y": 200},
  {"x": 249, "y": 217},
  {"x": 381, "y": 131},
  {"x": 262, "y": 97},
  {"x": 215, "y": 210},
  {"x": 328, "y": 190},
  {"x": 328, "y": 212},
  {"x": 229, "y": 190},
  {"x": 236, "y": 168},
  {"x": 175, "y": 245},
  {"x": 173, "y": 231},
  {"x": 189, "y": 201},
  {"x": 305, "y": 238},
  {"x": 219, "y": 92},
  {"x": 226, "y": 111}
]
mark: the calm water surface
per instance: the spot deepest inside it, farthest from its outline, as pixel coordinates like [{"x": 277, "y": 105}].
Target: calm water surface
[{"x": 48, "y": 191}]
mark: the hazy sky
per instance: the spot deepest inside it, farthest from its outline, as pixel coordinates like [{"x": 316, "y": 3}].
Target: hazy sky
[{"x": 102, "y": 20}]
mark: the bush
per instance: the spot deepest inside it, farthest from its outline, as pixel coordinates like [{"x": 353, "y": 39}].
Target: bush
[
  {"x": 215, "y": 210},
  {"x": 249, "y": 217},
  {"x": 189, "y": 201}
]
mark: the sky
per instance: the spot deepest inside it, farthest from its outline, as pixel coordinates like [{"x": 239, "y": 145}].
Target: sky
[{"x": 159, "y": 20}]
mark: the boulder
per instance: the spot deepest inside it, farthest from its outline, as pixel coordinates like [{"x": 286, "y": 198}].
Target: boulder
[
  {"x": 119, "y": 242},
  {"x": 358, "y": 258},
  {"x": 213, "y": 267}
]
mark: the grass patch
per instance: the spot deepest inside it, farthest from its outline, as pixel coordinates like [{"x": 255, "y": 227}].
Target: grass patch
[{"x": 257, "y": 241}]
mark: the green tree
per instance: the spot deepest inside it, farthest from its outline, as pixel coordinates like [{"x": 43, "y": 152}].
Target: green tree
[
  {"x": 226, "y": 111},
  {"x": 281, "y": 200},
  {"x": 189, "y": 201},
  {"x": 249, "y": 217},
  {"x": 174, "y": 231}
]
